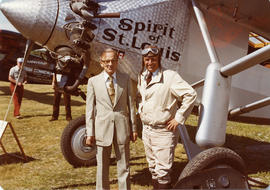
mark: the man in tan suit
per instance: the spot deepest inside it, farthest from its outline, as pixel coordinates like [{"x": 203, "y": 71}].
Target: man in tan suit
[
  {"x": 162, "y": 91},
  {"x": 110, "y": 119}
]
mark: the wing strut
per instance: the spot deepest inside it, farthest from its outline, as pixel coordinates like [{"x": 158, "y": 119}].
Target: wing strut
[
  {"x": 216, "y": 93},
  {"x": 217, "y": 86},
  {"x": 246, "y": 62},
  {"x": 250, "y": 107},
  {"x": 205, "y": 33}
]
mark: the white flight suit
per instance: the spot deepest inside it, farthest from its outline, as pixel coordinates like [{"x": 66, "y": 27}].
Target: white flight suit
[{"x": 160, "y": 101}]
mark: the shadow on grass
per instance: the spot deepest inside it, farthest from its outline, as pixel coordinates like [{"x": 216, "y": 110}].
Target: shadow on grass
[
  {"x": 113, "y": 160},
  {"x": 14, "y": 158},
  {"x": 37, "y": 115},
  {"x": 44, "y": 97},
  {"x": 41, "y": 115},
  {"x": 255, "y": 153},
  {"x": 74, "y": 186},
  {"x": 143, "y": 177},
  {"x": 5, "y": 90}
]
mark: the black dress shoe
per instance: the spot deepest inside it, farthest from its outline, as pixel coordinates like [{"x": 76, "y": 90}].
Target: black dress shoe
[
  {"x": 164, "y": 186},
  {"x": 53, "y": 119},
  {"x": 155, "y": 184}
]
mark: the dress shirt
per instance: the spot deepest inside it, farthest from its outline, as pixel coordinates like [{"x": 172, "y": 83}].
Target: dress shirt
[
  {"x": 107, "y": 80},
  {"x": 14, "y": 73},
  {"x": 154, "y": 74}
]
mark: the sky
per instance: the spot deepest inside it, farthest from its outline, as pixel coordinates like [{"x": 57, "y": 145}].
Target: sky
[{"x": 5, "y": 24}]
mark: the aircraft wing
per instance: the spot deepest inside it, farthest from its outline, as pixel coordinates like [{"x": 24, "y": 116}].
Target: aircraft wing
[{"x": 252, "y": 14}]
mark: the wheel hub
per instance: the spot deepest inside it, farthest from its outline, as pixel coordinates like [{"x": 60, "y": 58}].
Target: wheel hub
[
  {"x": 80, "y": 149},
  {"x": 214, "y": 178}
]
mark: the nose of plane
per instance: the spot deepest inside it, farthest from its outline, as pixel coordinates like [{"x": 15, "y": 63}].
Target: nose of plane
[{"x": 34, "y": 19}]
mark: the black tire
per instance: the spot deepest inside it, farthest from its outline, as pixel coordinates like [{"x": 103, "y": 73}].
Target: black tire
[
  {"x": 213, "y": 157},
  {"x": 73, "y": 144}
]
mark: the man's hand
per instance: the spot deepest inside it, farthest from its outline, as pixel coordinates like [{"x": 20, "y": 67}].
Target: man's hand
[
  {"x": 19, "y": 84},
  {"x": 172, "y": 125},
  {"x": 134, "y": 136},
  {"x": 90, "y": 140}
]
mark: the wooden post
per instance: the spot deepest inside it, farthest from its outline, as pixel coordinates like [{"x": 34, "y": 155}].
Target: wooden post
[
  {"x": 3, "y": 127},
  {"x": 3, "y": 147}
]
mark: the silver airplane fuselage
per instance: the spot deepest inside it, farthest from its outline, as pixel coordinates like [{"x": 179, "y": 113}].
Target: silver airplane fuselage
[{"x": 170, "y": 24}]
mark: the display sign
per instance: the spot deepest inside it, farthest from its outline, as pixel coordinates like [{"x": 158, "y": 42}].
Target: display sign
[{"x": 3, "y": 126}]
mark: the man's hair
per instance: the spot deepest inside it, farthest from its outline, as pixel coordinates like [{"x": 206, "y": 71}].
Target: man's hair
[{"x": 109, "y": 50}]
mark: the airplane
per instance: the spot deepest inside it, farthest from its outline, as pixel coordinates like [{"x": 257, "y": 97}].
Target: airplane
[
  {"x": 206, "y": 41},
  {"x": 38, "y": 67}
]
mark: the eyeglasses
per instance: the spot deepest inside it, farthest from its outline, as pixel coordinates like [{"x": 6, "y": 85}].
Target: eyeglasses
[
  {"x": 153, "y": 50},
  {"x": 106, "y": 62}
]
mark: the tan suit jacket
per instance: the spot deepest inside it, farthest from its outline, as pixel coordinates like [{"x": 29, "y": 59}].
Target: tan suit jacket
[
  {"x": 161, "y": 97},
  {"x": 103, "y": 118}
]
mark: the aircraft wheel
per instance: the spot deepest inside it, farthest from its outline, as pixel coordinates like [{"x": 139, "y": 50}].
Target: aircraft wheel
[
  {"x": 73, "y": 144},
  {"x": 216, "y": 157}
]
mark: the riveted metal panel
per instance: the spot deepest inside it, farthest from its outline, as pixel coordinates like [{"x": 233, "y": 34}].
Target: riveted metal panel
[
  {"x": 163, "y": 24},
  {"x": 34, "y": 19},
  {"x": 65, "y": 16}
]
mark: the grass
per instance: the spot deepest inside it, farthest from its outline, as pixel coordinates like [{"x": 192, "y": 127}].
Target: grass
[{"x": 47, "y": 169}]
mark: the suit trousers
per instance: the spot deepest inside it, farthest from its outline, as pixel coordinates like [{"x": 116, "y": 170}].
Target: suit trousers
[
  {"x": 56, "y": 103},
  {"x": 159, "y": 144},
  {"x": 17, "y": 98},
  {"x": 103, "y": 162}
]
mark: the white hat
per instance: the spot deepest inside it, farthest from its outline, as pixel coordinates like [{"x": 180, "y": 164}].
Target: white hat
[{"x": 20, "y": 60}]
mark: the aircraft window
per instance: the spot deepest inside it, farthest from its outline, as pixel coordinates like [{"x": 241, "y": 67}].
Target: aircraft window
[
  {"x": 2, "y": 56},
  {"x": 266, "y": 64},
  {"x": 255, "y": 42}
]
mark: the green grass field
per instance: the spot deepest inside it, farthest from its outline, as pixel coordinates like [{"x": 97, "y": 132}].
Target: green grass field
[{"x": 47, "y": 168}]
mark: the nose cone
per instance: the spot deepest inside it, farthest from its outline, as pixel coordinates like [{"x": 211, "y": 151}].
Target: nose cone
[{"x": 34, "y": 19}]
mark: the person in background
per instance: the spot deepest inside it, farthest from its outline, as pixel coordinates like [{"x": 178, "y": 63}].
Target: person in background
[
  {"x": 161, "y": 92},
  {"x": 22, "y": 79},
  {"x": 56, "y": 103},
  {"x": 111, "y": 119}
]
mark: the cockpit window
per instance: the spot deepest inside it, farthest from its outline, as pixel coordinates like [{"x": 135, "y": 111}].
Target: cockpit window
[{"x": 266, "y": 64}]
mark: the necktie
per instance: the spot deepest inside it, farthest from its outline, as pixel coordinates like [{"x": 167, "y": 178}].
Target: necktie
[
  {"x": 148, "y": 78},
  {"x": 111, "y": 90}
]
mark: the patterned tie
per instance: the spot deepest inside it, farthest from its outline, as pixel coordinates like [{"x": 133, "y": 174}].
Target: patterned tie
[
  {"x": 149, "y": 78},
  {"x": 111, "y": 89}
]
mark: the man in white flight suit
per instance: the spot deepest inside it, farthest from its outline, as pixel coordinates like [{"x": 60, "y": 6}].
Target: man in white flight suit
[{"x": 161, "y": 92}]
